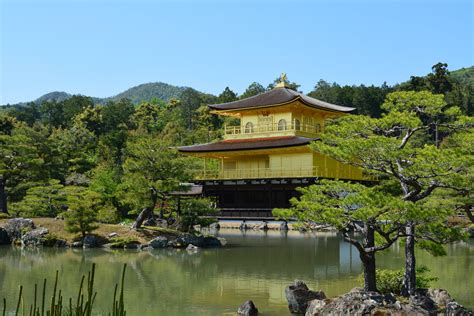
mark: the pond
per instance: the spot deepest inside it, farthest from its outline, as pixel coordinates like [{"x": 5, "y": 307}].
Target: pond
[{"x": 254, "y": 265}]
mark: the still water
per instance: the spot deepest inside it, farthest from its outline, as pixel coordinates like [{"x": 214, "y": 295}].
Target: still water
[{"x": 254, "y": 265}]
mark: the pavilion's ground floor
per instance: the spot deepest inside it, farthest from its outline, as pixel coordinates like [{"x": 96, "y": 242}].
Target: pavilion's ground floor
[{"x": 252, "y": 198}]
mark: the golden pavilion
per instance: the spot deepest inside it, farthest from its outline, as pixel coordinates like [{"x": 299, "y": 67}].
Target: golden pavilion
[{"x": 266, "y": 157}]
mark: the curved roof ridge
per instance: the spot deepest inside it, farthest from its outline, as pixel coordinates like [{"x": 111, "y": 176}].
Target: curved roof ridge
[
  {"x": 276, "y": 97},
  {"x": 248, "y": 144}
]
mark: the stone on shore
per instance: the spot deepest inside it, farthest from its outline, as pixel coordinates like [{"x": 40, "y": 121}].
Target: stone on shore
[
  {"x": 34, "y": 238},
  {"x": 17, "y": 227},
  {"x": 192, "y": 247},
  {"x": 159, "y": 242},
  {"x": 247, "y": 309},
  {"x": 185, "y": 239},
  {"x": 299, "y": 295},
  {"x": 361, "y": 302},
  {"x": 93, "y": 241}
]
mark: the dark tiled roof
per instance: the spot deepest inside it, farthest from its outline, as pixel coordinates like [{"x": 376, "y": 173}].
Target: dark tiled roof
[
  {"x": 245, "y": 144},
  {"x": 277, "y": 96}
]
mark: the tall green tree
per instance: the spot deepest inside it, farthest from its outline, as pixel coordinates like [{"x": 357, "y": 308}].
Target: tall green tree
[
  {"x": 190, "y": 101},
  {"x": 227, "y": 96},
  {"x": 47, "y": 200},
  {"x": 348, "y": 207},
  {"x": 21, "y": 162},
  {"x": 253, "y": 89},
  {"x": 81, "y": 215},
  {"x": 400, "y": 146},
  {"x": 151, "y": 171}
]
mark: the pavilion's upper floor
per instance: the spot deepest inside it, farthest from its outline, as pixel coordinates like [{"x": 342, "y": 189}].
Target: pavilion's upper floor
[{"x": 277, "y": 113}]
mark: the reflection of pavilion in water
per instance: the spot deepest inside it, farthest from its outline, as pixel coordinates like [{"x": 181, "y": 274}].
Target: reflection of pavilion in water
[{"x": 329, "y": 263}]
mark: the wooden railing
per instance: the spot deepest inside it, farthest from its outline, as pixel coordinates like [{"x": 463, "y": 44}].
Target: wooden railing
[
  {"x": 268, "y": 129},
  {"x": 258, "y": 173},
  {"x": 272, "y": 173}
]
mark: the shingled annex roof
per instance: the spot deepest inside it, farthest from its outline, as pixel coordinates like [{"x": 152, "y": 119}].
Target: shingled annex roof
[
  {"x": 278, "y": 96},
  {"x": 245, "y": 144}
]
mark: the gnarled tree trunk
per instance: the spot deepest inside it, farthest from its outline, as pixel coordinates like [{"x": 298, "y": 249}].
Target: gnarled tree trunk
[
  {"x": 368, "y": 260},
  {"x": 409, "y": 282}
]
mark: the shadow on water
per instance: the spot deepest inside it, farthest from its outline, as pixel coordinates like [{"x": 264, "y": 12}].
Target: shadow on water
[{"x": 254, "y": 265}]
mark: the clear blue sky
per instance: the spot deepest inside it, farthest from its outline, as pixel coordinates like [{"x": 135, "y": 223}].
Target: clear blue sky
[{"x": 100, "y": 48}]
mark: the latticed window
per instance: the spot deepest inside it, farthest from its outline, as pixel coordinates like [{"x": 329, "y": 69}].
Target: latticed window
[
  {"x": 282, "y": 125},
  {"x": 249, "y": 127}
]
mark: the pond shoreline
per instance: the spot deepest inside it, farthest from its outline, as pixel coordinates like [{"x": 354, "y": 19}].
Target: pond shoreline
[{"x": 48, "y": 232}]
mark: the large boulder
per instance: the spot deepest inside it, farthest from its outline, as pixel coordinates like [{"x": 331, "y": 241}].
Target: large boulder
[
  {"x": 422, "y": 300},
  {"x": 4, "y": 238},
  {"x": 185, "y": 239},
  {"x": 211, "y": 242},
  {"x": 315, "y": 307},
  {"x": 439, "y": 296},
  {"x": 159, "y": 242},
  {"x": 298, "y": 296},
  {"x": 93, "y": 241},
  {"x": 247, "y": 309},
  {"x": 17, "y": 227},
  {"x": 34, "y": 238},
  {"x": 356, "y": 302}
]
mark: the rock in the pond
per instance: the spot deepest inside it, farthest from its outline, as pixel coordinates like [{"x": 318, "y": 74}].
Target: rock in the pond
[
  {"x": 298, "y": 296},
  {"x": 133, "y": 245},
  {"x": 211, "y": 242},
  {"x": 192, "y": 247},
  {"x": 185, "y": 239},
  {"x": 247, "y": 309},
  {"x": 77, "y": 244},
  {"x": 17, "y": 227},
  {"x": 439, "y": 296},
  {"x": 93, "y": 241},
  {"x": 112, "y": 235},
  {"x": 315, "y": 306},
  {"x": 159, "y": 242},
  {"x": 34, "y": 238},
  {"x": 284, "y": 226},
  {"x": 215, "y": 226},
  {"x": 4, "y": 238},
  {"x": 356, "y": 302}
]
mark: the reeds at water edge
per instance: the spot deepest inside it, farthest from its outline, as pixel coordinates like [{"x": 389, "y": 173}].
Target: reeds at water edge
[{"x": 58, "y": 307}]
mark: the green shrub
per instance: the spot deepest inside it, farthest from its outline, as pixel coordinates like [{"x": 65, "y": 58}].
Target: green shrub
[
  {"x": 391, "y": 281},
  {"x": 4, "y": 215},
  {"x": 50, "y": 240},
  {"x": 108, "y": 215},
  {"x": 122, "y": 242}
]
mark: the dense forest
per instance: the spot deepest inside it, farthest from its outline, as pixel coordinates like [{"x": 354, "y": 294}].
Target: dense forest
[{"x": 116, "y": 155}]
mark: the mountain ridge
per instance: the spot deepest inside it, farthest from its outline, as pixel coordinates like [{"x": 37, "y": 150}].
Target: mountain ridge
[{"x": 165, "y": 91}]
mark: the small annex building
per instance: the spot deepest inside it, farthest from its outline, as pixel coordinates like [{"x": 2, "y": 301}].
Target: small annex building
[{"x": 266, "y": 157}]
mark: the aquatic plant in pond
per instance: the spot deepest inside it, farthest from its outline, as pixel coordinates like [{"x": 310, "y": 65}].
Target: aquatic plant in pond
[{"x": 57, "y": 306}]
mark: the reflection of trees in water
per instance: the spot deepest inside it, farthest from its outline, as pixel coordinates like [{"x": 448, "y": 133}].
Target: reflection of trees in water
[{"x": 175, "y": 282}]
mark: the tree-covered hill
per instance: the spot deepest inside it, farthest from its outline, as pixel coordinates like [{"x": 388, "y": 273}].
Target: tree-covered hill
[
  {"x": 148, "y": 91},
  {"x": 464, "y": 76},
  {"x": 137, "y": 94},
  {"x": 53, "y": 96}
]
